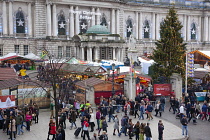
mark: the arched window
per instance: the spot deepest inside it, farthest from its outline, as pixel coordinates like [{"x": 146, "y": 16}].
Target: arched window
[
  {"x": 20, "y": 21},
  {"x": 146, "y": 29},
  {"x": 103, "y": 21},
  {"x": 193, "y": 31},
  {"x": 129, "y": 27},
  {"x": 83, "y": 26},
  {"x": 61, "y": 24}
]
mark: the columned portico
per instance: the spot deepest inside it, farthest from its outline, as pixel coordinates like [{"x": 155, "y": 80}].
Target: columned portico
[
  {"x": 4, "y": 8},
  {"x": 206, "y": 28},
  {"x": 153, "y": 26},
  {"x": 82, "y": 53},
  {"x": 55, "y": 28},
  {"x": 29, "y": 20},
  {"x": 49, "y": 33},
  {"x": 113, "y": 21},
  {"x": 10, "y": 19},
  {"x": 96, "y": 53},
  {"x": 140, "y": 25},
  {"x": 157, "y": 27},
  {"x": 184, "y": 27},
  {"x": 90, "y": 54},
  {"x": 97, "y": 17},
  {"x": 77, "y": 21},
  {"x": 93, "y": 17},
  {"x": 71, "y": 23},
  {"x": 188, "y": 29},
  {"x": 114, "y": 55},
  {"x": 117, "y": 21},
  {"x": 137, "y": 25}
]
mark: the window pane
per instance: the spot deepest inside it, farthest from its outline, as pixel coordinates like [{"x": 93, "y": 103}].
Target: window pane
[
  {"x": 61, "y": 25},
  {"x": 60, "y": 51},
  {"x": 68, "y": 51},
  {"x": 20, "y": 22},
  {"x": 17, "y": 49},
  {"x": 1, "y": 50},
  {"x": 25, "y": 49}
]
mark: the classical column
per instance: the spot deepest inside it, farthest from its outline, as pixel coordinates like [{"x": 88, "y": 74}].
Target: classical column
[
  {"x": 77, "y": 21},
  {"x": 114, "y": 55},
  {"x": 10, "y": 19},
  {"x": 49, "y": 33},
  {"x": 157, "y": 27},
  {"x": 188, "y": 28},
  {"x": 184, "y": 27},
  {"x": 140, "y": 25},
  {"x": 71, "y": 22},
  {"x": 153, "y": 26},
  {"x": 208, "y": 39},
  {"x": 4, "y": 14},
  {"x": 121, "y": 55},
  {"x": 96, "y": 54},
  {"x": 97, "y": 16},
  {"x": 55, "y": 27},
  {"x": 29, "y": 20},
  {"x": 205, "y": 28},
  {"x": 83, "y": 54},
  {"x": 117, "y": 21},
  {"x": 137, "y": 25},
  {"x": 93, "y": 21},
  {"x": 199, "y": 31},
  {"x": 113, "y": 21},
  {"x": 90, "y": 54}
]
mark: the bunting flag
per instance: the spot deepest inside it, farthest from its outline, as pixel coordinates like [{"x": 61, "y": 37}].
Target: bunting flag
[{"x": 43, "y": 54}]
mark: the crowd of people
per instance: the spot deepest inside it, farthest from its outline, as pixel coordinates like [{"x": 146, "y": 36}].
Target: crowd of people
[
  {"x": 12, "y": 119},
  {"x": 106, "y": 112}
]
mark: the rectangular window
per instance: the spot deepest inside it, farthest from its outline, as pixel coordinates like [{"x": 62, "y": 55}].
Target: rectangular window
[
  {"x": 1, "y": 50},
  {"x": 106, "y": 53},
  {"x": 60, "y": 51},
  {"x": 25, "y": 49},
  {"x": 68, "y": 51},
  {"x": 17, "y": 49}
]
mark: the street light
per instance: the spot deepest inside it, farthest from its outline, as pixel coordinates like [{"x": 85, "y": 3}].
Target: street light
[{"x": 108, "y": 71}]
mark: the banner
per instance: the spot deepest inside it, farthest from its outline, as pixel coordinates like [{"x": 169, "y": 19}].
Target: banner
[
  {"x": 190, "y": 65},
  {"x": 7, "y": 101},
  {"x": 162, "y": 89}
]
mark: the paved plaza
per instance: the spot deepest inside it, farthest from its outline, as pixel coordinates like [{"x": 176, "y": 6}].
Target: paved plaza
[{"x": 39, "y": 131}]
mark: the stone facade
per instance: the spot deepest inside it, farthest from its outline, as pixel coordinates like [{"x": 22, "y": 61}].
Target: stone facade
[{"x": 52, "y": 24}]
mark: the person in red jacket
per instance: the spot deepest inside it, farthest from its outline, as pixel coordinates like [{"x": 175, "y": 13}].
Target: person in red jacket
[
  {"x": 52, "y": 129},
  {"x": 85, "y": 129}
]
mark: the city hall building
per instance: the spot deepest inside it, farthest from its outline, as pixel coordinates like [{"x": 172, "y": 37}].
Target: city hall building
[{"x": 96, "y": 29}]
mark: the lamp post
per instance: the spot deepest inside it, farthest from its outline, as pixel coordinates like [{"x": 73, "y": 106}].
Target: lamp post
[{"x": 108, "y": 71}]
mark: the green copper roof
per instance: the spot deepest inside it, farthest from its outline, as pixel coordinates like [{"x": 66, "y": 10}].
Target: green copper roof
[{"x": 98, "y": 29}]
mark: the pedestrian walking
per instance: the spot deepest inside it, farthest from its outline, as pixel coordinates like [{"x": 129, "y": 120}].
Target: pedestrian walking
[
  {"x": 72, "y": 118},
  {"x": 149, "y": 111},
  {"x": 92, "y": 120},
  {"x": 85, "y": 129},
  {"x": 184, "y": 123},
  {"x": 19, "y": 121},
  {"x": 52, "y": 130},
  {"x": 116, "y": 125},
  {"x": 28, "y": 119},
  {"x": 142, "y": 126},
  {"x": 52, "y": 110},
  {"x": 136, "y": 108},
  {"x": 98, "y": 117},
  {"x": 142, "y": 111}
]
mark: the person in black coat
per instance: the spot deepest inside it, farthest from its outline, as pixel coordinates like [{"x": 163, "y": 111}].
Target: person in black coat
[
  {"x": 59, "y": 135},
  {"x": 160, "y": 130},
  {"x": 62, "y": 131},
  {"x": 147, "y": 132}
]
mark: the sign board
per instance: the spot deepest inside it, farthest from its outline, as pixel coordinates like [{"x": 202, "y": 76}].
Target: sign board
[
  {"x": 199, "y": 94},
  {"x": 162, "y": 89},
  {"x": 7, "y": 101}
]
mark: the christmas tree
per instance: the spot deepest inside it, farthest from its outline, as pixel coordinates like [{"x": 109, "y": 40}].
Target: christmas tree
[{"x": 169, "y": 53}]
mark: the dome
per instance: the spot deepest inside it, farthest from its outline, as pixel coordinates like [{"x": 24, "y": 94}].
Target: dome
[{"x": 98, "y": 29}]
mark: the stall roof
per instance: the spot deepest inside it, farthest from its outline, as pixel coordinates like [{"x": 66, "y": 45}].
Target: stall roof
[
  {"x": 10, "y": 56},
  {"x": 7, "y": 73},
  {"x": 32, "y": 56},
  {"x": 204, "y": 53},
  {"x": 89, "y": 82}
]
